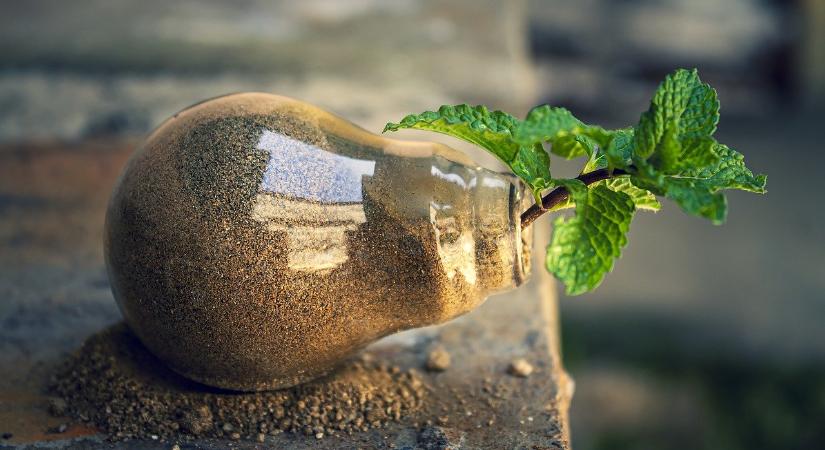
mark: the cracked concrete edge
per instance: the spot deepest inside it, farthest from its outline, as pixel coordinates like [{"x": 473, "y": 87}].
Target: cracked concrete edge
[{"x": 550, "y": 310}]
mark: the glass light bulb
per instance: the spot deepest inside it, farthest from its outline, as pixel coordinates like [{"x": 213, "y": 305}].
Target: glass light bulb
[{"x": 255, "y": 242}]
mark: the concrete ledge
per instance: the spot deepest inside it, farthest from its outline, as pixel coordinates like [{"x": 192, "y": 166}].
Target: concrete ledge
[{"x": 55, "y": 294}]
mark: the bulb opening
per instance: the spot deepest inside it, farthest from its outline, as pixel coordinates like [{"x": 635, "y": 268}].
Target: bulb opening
[
  {"x": 502, "y": 249},
  {"x": 519, "y": 200}
]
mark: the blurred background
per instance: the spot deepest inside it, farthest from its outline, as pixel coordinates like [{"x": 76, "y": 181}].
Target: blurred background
[{"x": 703, "y": 337}]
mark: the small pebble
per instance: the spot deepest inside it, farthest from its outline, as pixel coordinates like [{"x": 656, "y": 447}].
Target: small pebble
[
  {"x": 438, "y": 360},
  {"x": 520, "y": 368},
  {"x": 319, "y": 435},
  {"x": 175, "y": 447},
  {"x": 62, "y": 428},
  {"x": 261, "y": 437},
  {"x": 235, "y": 436}
]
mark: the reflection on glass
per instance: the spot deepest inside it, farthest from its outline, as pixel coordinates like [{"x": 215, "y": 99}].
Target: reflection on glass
[
  {"x": 304, "y": 171},
  {"x": 314, "y": 197}
]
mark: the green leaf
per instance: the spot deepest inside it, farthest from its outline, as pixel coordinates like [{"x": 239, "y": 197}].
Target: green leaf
[
  {"x": 643, "y": 199},
  {"x": 597, "y": 160},
  {"x": 696, "y": 152},
  {"x": 571, "y": 146},
  {"x": 544, "y": 123},
  {"x": 532, "y": 165},
  {"x": 568, "y": 136},
  {"x": 676, "y": 156},
  {"x": 492, "y": 131},
  {"x": 619, "y": 150},
  {"x": 682, "y": 108},
  {"x": 728, "y": 172},
  {"x": 617, "y": 153},
  {"x": 583, "y": 248},
  {"x": 697, "y": 190},
  {"x": 697, "y": 199}
]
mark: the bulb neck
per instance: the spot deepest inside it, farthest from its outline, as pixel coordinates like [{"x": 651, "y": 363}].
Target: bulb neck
[
  {"x": 502, "y": 248},
  {"x": 476, "y": 214}
]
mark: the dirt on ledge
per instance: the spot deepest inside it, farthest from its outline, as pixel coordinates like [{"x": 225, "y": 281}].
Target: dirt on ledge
[{"x": 113, "y": 383}]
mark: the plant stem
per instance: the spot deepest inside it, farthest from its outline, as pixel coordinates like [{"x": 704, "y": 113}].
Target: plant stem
[{"x": 560, "y": 194}]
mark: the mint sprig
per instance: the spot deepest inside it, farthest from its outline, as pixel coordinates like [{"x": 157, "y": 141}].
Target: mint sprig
[{"x": 670, "y": 152}]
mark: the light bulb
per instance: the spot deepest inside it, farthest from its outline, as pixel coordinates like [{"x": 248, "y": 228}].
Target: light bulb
[{"x": 256, "y": 242}]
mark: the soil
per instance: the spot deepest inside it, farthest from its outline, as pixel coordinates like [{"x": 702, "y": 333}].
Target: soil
[{"x": 113, "y": 383}]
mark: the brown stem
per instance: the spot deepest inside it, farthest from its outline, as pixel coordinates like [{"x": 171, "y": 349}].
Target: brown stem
[{"x": 560, "y": 194}]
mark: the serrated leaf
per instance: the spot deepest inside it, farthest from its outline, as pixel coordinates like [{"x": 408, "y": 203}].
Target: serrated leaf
[
  {"x": 532, "y": 165},
  {"x": 619, "y": 151},
  {"x": 571, "y": 146},
  {"x": 568, "y": 136},
  {"x": 692, "y": 195},
  {"x": 544, "y": 123},
  {"x": 682, "y": 108},
  {"x": 668, "y": 152},
  {"x": 584, "y": 248},
  {"x": 492, "y": 131},
  {"x": 728, "y": 172},
  {"x": 616, "y": 154},
  {"x": 696, "y": 191},
  {"x": 596, "y": 161},
  {"x": 697, "y": 199},
  {"x": 643, "y": 199},
  {"x": 697, "y": 152}
]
